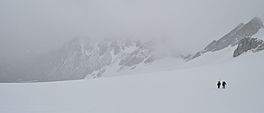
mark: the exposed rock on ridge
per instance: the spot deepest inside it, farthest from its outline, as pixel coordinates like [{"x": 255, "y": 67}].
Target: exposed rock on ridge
[{"x": 248, "y": 44}]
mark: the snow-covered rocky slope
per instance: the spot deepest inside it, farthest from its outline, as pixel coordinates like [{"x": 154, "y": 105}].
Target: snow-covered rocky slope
[
  {"x": 233, "y": 37},
  {"x": 188, "y": 90},
  {"x": 87, "y": 58},
  {"x": 91, "y": 58},
  {"x": 244, "y": 39}
]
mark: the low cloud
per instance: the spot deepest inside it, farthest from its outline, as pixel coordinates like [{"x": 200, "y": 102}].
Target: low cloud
[{"x": 31, "y": 27}]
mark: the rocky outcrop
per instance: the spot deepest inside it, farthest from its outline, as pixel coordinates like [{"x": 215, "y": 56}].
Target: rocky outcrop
[{"x": 248, "y": 44}]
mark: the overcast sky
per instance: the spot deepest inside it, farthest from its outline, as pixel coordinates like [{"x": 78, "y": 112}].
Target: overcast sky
[{"x": 28, "y": 27}]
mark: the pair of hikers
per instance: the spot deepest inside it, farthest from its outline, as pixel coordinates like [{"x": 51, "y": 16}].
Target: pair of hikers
[{"x": 223, "y": 84}]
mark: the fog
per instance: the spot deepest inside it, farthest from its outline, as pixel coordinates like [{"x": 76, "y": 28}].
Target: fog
[{"x": 33, "y": 27}]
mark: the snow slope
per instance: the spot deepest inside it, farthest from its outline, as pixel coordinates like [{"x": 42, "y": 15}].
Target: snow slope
[
  {"x": 188, "y": 90},
  {"x": 221, "y": 56},
  {"x": 156, "y": 66},
  {"x": 259, "y": 34}
]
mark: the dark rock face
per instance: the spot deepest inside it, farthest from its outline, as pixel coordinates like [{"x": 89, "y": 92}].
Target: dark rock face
[
  {"x": 233, "y": 37},
  {"x": 248, "y": 44}
]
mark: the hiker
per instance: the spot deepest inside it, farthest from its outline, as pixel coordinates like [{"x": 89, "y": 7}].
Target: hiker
[
  {"x": 224, "y": 84},
  {"x": 218, "y": 84}
]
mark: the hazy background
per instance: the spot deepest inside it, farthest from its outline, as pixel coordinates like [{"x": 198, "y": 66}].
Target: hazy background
[{"x": 32, "y": 27}]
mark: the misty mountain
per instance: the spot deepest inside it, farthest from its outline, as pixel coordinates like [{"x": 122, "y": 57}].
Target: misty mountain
[
  {"x": 90, "y": 58},
  {"x": 87, "y": 58}
]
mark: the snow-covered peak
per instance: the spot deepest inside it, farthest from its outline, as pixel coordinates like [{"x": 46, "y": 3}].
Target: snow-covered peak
[{"x": 234, "y": 36}]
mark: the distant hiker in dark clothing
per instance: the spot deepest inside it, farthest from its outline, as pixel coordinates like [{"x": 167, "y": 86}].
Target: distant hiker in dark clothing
[
  {"x": 218, "y": 84},
  {"x": 224, "y": 84}
]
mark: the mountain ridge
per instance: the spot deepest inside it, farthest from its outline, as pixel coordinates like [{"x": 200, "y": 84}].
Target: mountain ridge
[{"x": 233, "y": 37}]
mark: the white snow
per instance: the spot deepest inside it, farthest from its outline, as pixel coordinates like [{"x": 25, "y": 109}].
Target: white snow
[
  {"x": 187, "y": 90},
  {"x": 209, "y": 58},
  {"x": 259, "y": 34},
  {"x": 156, "y": 66},
  {"x": 130, "y": 49}
]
